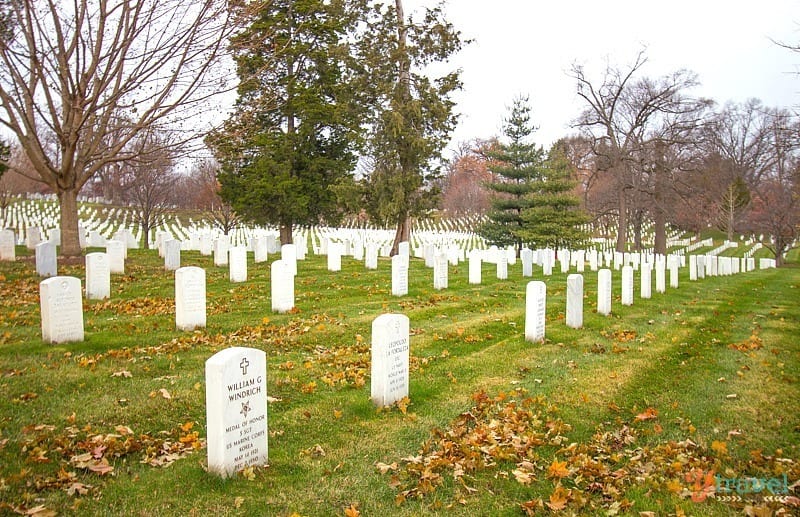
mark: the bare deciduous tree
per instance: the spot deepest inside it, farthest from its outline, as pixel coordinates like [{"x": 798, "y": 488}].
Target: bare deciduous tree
[
  {"x": 150, "y": 180},
  {"x": 623, "y": 115},
  {"x": 80, "y": 80}
]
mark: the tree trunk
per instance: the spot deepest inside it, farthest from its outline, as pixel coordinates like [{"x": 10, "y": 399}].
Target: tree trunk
[
  {"x": 637, "y": 230},
  {"x": 403, "y": 234},
  {"x": 660, "y": 230},
  {"x": 622, "y": 221},
  {"x": 70, "y": 243},
  {"x": 286, "y": 233}
]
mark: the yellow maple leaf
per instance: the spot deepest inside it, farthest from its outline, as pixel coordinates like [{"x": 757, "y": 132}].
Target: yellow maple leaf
[
  {"x": 558, "y": 499},
  {"x": 720, "y": 448},
  {"x": 351, "y": 511},
  {"x": 557, "y": 469}
]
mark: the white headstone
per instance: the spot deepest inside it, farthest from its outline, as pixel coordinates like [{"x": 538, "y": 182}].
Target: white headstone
[
  {"x": 575, "y": 301},
  {"x": 260, "y": 251},
  {"x": 579, "y": 257},
  {"x": 475, "y": 265},
  {"x": 563, "y": 258},
  {"x": 645, "y": 276},
  {"x": 673, "y": 274},
  {"x": 98, "y": 276},
  {"x": 371, "y": 256},
  {"x": 236, "y": 410},
  {"x": 399, "y": 275},
  {"x": 116, "y": 256},
  {"x": 390, "y": 354},
  {"x": 335, "y": 250},
  {"x": 7, "y": 245},
  {"x": 206, "y": 245},
  {"x": 604, "y": 292},
  {"x": 237, "y": 264},
  {"x": 502, "y": 266},
  {"x": 627, "y": 285},
  {"x": 526, "y": 256},
  {"x": 282, "y": 286},
  {"x": 661, "y": 278},
  {"x": 403, "y": 248},
  {"x": 55, "y": 236},
  {"x": 289, "y": 258},
  {"x": 190, "y": 298},
  {"x": 46, "y": 259},
  {"x": 440, "y": 270},
  {"x": 33, "y": 236},
  {"x": 535, "y": 305},
  {"x": 221, "y": 246},
  {"x": 61, "y": 307},
  {"x": 172, "y": 254},
  {"x": 693, "y": 267},
  {"x": 547, "y": 264}
]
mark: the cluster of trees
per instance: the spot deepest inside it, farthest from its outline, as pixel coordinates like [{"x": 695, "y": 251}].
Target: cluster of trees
[
  {"x": 648, "y": 153},
  {"x": 324, "y": 86},
  {"x": 338, "y": 111}
]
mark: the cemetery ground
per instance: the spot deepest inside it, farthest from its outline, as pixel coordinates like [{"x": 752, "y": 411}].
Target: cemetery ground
[{"x": 653, "y": 410}]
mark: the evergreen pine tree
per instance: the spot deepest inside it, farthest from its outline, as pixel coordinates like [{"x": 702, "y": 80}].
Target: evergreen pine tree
[
  {"x": 517, "y": 170},
  {"x": 553, "y": 218}
]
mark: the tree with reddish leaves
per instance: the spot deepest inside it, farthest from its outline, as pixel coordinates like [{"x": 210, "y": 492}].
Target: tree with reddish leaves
[
  {"x": 775, "y": 213},
  {"x": 464, "y": 192}
]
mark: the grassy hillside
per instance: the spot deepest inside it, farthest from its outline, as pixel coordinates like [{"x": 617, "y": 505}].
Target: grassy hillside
[{"x": 636, "y": 412}]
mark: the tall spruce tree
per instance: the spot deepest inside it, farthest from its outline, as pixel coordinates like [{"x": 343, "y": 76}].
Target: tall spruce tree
[
  {"x": 292, "y": 139},
  {"x": 553, "y": 217},
  {"x": 517, "y": 169},
  {"x": 412, "y": 113}
]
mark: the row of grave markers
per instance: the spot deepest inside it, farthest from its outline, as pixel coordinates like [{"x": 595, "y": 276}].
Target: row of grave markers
[{"x": 236, "y": 392}]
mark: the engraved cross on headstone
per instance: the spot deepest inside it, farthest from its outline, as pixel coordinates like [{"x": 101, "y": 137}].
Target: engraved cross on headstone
[{"x": 243, "y": 365}]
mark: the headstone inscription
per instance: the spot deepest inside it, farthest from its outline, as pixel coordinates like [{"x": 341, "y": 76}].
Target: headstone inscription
[
  {"x": 535, "y": 305},
  {"x": 390, "y": 353},
  {"x": 575, "y": 301},
  {"x": 61, "y": 309},
  {"x": 236, "y": 410},
  {"x": 190, "y": 298}
]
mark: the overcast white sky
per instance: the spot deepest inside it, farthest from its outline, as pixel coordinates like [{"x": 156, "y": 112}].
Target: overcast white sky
[{"x": 527, "y": 47}]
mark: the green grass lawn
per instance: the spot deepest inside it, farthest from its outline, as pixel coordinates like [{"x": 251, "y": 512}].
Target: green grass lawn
[{"x": 641, "y": 411}]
